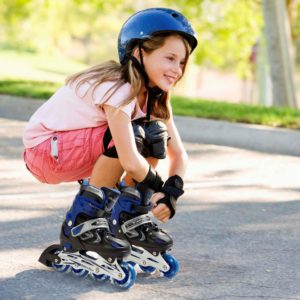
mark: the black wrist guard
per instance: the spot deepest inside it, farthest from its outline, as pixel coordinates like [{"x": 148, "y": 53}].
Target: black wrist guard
[
  {"x": 153, "y": 180},
  {"x": 173, "y": 189}
]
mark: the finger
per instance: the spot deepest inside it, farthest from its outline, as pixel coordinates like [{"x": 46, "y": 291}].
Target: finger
[
  {"x": 156, "y": 197},
  {"x": 160, "y": 208},
  {"x": 158, "y": 213},
  {"x": 161, "y": 212}
]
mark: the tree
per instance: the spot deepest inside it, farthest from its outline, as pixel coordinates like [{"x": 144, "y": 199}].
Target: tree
[
  {"x": 279, "y": 45},
  {"x": 13, "y": 13}
]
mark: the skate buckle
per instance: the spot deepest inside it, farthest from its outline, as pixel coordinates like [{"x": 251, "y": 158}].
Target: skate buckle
[
  {"x": 89, "y": 225},
  {"x": 135, "y": 222}
]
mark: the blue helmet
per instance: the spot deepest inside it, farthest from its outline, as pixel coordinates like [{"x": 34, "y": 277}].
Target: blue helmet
[{"x": 149, "y": 22}]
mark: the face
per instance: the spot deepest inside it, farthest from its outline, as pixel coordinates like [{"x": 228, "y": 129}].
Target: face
[{"x": 165, "y": 65}]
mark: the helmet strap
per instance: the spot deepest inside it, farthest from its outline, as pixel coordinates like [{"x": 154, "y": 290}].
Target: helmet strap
[
  {"x": 153, "y": 92},
  {"x": 140, "y": 67}
]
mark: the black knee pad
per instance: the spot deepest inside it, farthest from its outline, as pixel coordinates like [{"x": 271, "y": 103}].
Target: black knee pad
[
  {"x": 156, "y": 139},
  {"x": 140, "y": 137}
]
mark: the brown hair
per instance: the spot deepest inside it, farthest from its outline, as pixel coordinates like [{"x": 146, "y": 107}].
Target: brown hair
[{"x": 113, "y": 71}]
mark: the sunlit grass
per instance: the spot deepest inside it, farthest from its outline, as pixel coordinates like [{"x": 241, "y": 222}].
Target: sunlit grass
[
  {"x": 244, "y": 113},
  {"x": 33, "y": 66},
  {"x": 28, "y": 88}
]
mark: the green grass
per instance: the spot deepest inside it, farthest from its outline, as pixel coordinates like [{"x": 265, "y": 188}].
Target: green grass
[
  {"x": 251, "y": 114},
  {"x": 35, "y": 66},
  {"x": 244, "y": 113},
  {"x": 28, "y": 88}
]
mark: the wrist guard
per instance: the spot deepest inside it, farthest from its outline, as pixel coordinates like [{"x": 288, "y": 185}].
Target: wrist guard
[
  {"x": 153, "y": 180},
  {"x": 173, "y": 189}
]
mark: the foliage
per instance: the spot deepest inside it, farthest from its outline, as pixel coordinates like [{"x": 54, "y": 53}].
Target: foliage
[
  {"x": 87, "y": 30},
  {"x": 227, "y": 30},
  {"x": 73, "y": 27},
  {"x": 12, "y": 16}
]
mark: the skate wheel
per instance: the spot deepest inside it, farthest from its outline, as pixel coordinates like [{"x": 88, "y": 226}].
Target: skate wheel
[
  {"x": 129, "y": 279},
  {"x": 61, "y": 268},
  {"x": 131, "y": 263},
  {"x": 148, "y": 270},
  {"x": 58, "y": 267},
  {"x": 99, "y": 277},
  {"x": 80, "y": 272},
  {"x": 173, "y": 264}
]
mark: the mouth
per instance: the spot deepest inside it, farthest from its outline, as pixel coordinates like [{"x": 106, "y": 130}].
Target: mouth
[{"x": 171, "y": 79}]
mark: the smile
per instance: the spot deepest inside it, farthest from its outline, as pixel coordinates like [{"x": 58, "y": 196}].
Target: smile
[{"x": 171, "y": 79}]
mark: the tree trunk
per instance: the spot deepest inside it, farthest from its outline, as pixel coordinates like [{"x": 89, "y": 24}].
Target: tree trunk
[
  {"x": 278, "y": 37},
  {"x": 292, "y": 12}
]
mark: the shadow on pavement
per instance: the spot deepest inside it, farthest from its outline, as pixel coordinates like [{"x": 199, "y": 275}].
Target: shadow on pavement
[{"x": 223, "y": 246}]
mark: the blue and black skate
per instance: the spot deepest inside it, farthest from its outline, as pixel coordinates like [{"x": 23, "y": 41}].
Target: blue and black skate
[
  {"x": 86, "y": 244},
  {"x": 149, "y": 243}
]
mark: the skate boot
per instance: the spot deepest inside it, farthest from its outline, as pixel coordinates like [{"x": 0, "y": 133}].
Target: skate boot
[
  {"x": 149, "y": 243},
  {"x": 86, "y": 244}
]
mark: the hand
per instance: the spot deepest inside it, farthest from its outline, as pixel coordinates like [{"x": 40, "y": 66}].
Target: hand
[{"x": 160, "y": 211}]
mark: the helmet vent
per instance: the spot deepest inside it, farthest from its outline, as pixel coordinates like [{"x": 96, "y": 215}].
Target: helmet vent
[{"x": 175, "y": 15}]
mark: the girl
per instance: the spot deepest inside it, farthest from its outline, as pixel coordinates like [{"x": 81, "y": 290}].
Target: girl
[{"x": 110, "y": 120}]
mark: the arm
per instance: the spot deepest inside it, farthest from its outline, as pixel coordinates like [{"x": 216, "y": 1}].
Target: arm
[
  {"x": 163, "y": 203},
  {"x": 121, "y": 130},
  {"x": 176, "y": 152}
]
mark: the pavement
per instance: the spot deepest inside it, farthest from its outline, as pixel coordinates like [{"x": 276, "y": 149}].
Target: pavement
[
  {"x": 244, "y": 136},
  {"x": 236, "y": 232}
]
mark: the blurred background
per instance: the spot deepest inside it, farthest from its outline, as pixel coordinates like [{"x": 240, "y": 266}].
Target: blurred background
[{"x": 50, "y": 39}]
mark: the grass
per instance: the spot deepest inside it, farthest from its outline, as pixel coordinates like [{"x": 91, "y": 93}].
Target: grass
[
  {"x": 28, "y": 88},
  {"x": 38, "y": 67},
  {"x": 251, "y": 114},
  {"x": 245, "y": 113}
]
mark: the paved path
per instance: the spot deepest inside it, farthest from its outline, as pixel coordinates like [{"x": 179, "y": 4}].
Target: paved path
[
  {"x": 251, "y": 137},
  {"x": 236, "y": 233}
]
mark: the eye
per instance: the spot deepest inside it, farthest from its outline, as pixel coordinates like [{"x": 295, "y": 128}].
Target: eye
[{"x": 170, "y": 58}]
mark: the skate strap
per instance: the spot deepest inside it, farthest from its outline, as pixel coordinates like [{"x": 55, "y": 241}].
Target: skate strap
[
  {"x": 136, "y": 222},
  {"x": 142, "y": 209},
  {"x": 89, "y": 225}
]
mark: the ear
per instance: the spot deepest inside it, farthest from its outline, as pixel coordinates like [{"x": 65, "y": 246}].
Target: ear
[{"x": 136, "y": 53}]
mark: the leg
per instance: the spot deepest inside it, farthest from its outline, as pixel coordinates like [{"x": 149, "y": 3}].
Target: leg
[
  {"x": 86, "y": 229},
  {"x": 107, "y": 172},
  {"x": 129, "y": 180},
  {"x": 149, "y": 243}
]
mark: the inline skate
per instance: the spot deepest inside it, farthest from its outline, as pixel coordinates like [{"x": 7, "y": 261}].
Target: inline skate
[
  {"x": 149, "y": 243},
  {"x": 86, "y": 244}
]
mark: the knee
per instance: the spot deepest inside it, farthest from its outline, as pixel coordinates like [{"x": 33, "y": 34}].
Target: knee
[{"x": 152, "y": 139}]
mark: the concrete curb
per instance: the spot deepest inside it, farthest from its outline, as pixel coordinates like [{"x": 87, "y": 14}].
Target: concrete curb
[{"x": 252, "y": 137}]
